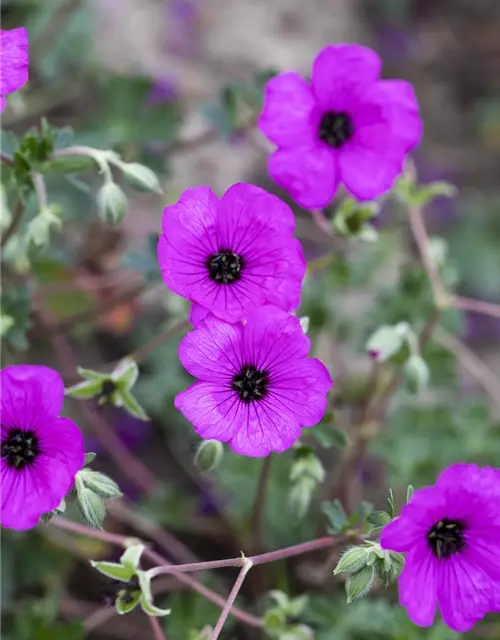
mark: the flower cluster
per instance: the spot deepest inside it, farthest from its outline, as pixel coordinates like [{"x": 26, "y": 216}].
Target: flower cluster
[
  {"x": 13, "y": 62},
  {"x": 450, "y": 533},
  {"x": 41, "y": 451}
]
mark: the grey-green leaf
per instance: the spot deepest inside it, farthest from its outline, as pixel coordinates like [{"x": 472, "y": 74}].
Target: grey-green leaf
[
  {"x": 100, "y": 483},
  {"x": 132, "y": 406}
]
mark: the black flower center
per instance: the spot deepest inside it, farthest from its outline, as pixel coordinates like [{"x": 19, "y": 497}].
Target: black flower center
[
  {"x": 446, "y": 538},
  {"x": 251, "y": 383},
  {"x": 225, "y": 267},
  {"x": 335, "y": 128},
  {"x": 20, "y": 448}
]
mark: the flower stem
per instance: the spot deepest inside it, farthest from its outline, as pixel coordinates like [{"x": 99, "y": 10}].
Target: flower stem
[
  {"x": 14, "y": 223},
  {"x": 156, "y": 627},
  {"x": 232, "y": 597},
  {"x": 477, "y": 306},
  {"x": 259, "y": 506}
]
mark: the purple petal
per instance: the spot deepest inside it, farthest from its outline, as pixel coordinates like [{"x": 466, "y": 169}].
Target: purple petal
[
  {"x": 271, "y": 338},
  {"x": 418, "y": 586},
  {"x": 464, "y": 593},
  {"x": 19, "y": 496},
  {"x": 290, "y": 115},
  {"x": 309, "y": 174},
  {"x": 31, "y": 394},
  {"x": 262, "y": 429},
  {"x": 197, "y": 314},
  {"x": 214, "y": 411},
  {"x": 14, "y": 60},
  {"x": 213, "y": 351},
  {"x": 366, "y": 172},
  {"x": 340, "y": 70},
  {"x": 401, "y": 534},
  {"x": 300, "y": 388}
]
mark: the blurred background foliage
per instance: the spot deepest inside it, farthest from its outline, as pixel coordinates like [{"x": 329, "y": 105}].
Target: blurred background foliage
[{"x": 177, "y": 86}]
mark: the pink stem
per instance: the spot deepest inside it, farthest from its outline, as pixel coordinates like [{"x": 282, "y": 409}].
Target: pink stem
[{"x": 231, "y": 598}]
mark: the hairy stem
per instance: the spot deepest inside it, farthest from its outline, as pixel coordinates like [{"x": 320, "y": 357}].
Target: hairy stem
[{"x": 247, "y": 565}]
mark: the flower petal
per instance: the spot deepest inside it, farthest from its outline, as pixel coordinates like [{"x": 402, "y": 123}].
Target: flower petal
[
  {"x": 213, "y": 351},
  {"x": 14, "y": 60},
  {"x": 464, "y": 593},
  {"x": 418, "y": 586},
  {"x": 341, "y": 71},
  {"x": 290, "y": 114},
  {"x": 300, "y": 387},
  {"x": 214, "y": 411},
  {"x": 310, "y": 174},
  {"x": 401, "y": 534},
  {"x": 262, "y": 430},
  {"x": 30, "y": 395},
  {"x": 366, "y": 171},
  {"x": 189, "y": 239},
  {"x": 197, "y": 314},
  {"x": 18, "y": 499},
  {"x": 271, "y": 338}
]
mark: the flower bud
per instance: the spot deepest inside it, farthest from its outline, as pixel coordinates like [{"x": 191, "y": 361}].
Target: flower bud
[
  {"x": 112, "y": 203},
  {"x": 359, "y": 584},
  {"x": 416, "y": 374},
  {"x": 352, "y": 560},
  {"x": 209, "y": 455}
]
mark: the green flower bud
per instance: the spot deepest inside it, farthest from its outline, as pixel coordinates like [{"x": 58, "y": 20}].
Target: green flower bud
[
  {"x": 359, "y": 584},
  {"x": 209, "y": 455},
  {"x": 141, "y": 177},
  {"x": 352, "y": 560},
  {"x": 112, "y": 203}
]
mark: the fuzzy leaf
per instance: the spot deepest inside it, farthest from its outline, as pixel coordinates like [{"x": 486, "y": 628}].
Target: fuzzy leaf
[
  {"x": 113, "y": 570},
  {"x": 90, "y": 504},
  {"x": 126, "y": 373},
  {"x": 351, "y": 560},
  {"x": 82, "y": 390},
  {"x": 132, "y": 406},
  {"x": 359, "y": 584},
  {"x": 99, "y": 483}
]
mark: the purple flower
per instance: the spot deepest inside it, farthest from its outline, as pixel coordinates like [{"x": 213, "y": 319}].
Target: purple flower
[
  {"x": 451, "y": 534},
  {"x": 346, "y": 125},
  {"x": 231, "y": 255},
  {"x": 41, "y": 452},
  {"x": 164, "y": 90},
  {"x": 256, "y": 387},
  {"x": 13, "y": 62}
]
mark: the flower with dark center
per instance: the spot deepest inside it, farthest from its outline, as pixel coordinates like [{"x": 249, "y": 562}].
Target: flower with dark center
[
  {"x": 450, "y": 533},
  {"x": 446, "y": 538},
  {"x": 13, "y": 62},
  {"x": 41, "y": 452},
  {"x": 344, "y": 126},
  {"x": 224, "y": 267},
  {"x": 251, "y": 383},
  {"x": 335, "y": 129},
  {"x": 232, "y": 255},
  {"x": 20, "y": 448},
  {"x": 256, "y": 386}
]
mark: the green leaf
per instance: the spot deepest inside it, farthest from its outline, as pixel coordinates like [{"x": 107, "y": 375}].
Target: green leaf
[
  {"x": 126, "y": 373},
  {"x": 112, "y": 203},
  {"x": 390, "y": 503},
  {"x": 99, "y": 483},
  {"x": 409, "y": 493},
  {"x": 141, "y": 177},
  {"x": 89, "y": 458},
  {"x": 152, "y": 610},
  {"x": 126, "y": 605},
  {"x": 90, "y": 374},
  {"x": 114, "y": 570},
  {"x": 83, "y": 390},
  {"x": 359, "y": 584},
  {"x": 328, "y": 436},
  {"x": 209, "y": 455},
  {"x": 132, "y": 406},
  {"x": 132, "y": 556},
  {"x": 379, "y": 518},
  {"x": 90, "y": 504},
  {"x": 335, "y": 514},
  {"x": 147, "y": 598}
]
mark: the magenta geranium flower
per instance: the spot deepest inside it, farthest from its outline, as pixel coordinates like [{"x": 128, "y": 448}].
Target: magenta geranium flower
[
  {"x": 451, "y": 535},
  {"x": 41, "y": 452},
  {"x": 13, "y": 62},
  {"x": 234, "y": 254},
  {"x": 256, "y": 387},
  {"x": 346, "y": 125}
]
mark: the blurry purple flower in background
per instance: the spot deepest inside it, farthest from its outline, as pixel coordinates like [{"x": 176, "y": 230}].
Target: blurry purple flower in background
[
  {"x": 164, "y": 90},
  {"x": 395, "y": 43},
  {"x": 183, "y": 20},
  {"x": 481, "y": 328},
  {"x": 133, "y": 432}
]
